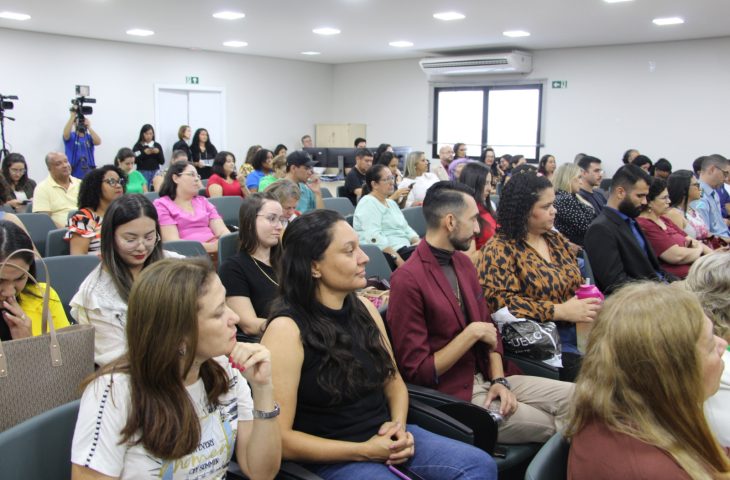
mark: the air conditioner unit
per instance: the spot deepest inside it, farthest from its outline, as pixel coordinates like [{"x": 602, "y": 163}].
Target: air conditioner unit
[{"x": 487, "y": 64}]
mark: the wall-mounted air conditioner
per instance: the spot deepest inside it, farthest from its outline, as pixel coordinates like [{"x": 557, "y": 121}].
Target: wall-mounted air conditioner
[{"x": 486, "y": 64}]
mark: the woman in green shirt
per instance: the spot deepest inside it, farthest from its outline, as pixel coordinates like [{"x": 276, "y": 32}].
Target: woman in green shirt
[{"x": 136, "y": 182}]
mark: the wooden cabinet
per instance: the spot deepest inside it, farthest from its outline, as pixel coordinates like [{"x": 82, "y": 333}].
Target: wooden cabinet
[{"x": 338, "y": 135}]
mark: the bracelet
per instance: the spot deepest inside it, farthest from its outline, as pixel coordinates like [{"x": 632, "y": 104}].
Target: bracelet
[{"x": 264, "y": 415}]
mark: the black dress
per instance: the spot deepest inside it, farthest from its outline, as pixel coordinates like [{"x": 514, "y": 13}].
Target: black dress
[{"x": 206, "y": 156}]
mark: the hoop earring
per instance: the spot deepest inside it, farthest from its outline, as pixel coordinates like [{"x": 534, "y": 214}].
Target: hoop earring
[{"x": 182, "y": 351}]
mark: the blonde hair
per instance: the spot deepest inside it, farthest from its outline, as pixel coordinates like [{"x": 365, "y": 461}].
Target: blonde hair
[
  {"x": 410, "y": 168},
  {"x": 279, "y": 161},
  {"x": 642, "y": 376},
  {"x": 564, "y": 175},
  {"x": 709, "y": 279}
]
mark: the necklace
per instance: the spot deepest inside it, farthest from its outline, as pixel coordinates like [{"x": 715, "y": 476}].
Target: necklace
[{"x": 256, "y": 262}]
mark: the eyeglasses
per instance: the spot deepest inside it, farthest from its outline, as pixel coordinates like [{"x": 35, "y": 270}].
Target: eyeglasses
[
  {"x": 131, "y": 244},
  {"x": 725, "y": 172},
  {"x": 191, "y": 174},
  {"x": 17, "y": 171},
  {"x": 275, "y": 219},
  {"x": 113, "y": 182}
]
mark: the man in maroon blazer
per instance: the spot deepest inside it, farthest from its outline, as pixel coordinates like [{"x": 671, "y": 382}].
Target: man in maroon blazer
[{"x": 443, "y": 334}]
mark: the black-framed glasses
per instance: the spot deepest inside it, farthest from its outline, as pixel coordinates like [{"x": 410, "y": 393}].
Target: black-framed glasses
[{"x": 113, "y": 182}]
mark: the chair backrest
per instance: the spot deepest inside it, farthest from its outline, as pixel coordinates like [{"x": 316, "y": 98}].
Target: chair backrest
[
  {"x": 326, "y": 192},
  {"x": 339, "y": 204},
  {"x": 414, "y": 217},
  {"x": 187, "y": 248},
  {"x": 227, "y": 246},
  {"x": 228, "y": 208},
  {"x": 349, "y": 218},
  {"x": 55, "y": 243},
  {"x": 152, "y": 196},
  {"x": 378, "y": 265},
  {"x": 203, "y": 192},
  {"x": 551, "y": 462},
  {"x": 341, "y": 191},
  {"x": 38, "y": 226},
  {"x": 40, "y": 447},
  {"x": 495, "y": 199},
  {"x": 67, "y": 272}
]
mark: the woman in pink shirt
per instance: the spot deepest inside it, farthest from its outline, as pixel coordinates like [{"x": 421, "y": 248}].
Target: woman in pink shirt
[
  {"x": 183, "y": 214},
  {"x": 225, "y": 182}
]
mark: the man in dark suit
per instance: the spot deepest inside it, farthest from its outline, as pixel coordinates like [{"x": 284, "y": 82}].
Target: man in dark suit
[
  {"x": 442, "y": 331},
  {"x": 617, "y": 248}
]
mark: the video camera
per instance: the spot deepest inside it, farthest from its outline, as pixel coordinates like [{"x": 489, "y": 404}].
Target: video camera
[
  {"x": 5, "y": 104},
  {"x": 77, "y": 105}
]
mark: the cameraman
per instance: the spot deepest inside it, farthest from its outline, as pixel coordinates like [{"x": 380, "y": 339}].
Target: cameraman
[{"x": 79, "y": 141}]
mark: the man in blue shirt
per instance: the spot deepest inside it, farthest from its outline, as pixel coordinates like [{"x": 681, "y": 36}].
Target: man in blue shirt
[
  {"x": 79, "y": 143},
  {"x": 714, "y": 170},
  {"x": 299, "y": 170}
]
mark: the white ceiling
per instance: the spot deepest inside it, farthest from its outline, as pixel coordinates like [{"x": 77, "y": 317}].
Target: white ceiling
[{"x": 283, "y": 28}]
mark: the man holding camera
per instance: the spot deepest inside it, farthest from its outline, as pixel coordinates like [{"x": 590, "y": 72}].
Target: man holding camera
[{"x": 79, "y": 140}]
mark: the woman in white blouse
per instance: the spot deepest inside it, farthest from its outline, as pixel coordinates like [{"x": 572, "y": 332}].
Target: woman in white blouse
[{"x": 417, "y": 178}]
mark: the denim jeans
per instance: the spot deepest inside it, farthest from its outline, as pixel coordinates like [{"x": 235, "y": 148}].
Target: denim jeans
[
  {"x": 148, "y": 175},
  {"x": 436, "y": 458}
]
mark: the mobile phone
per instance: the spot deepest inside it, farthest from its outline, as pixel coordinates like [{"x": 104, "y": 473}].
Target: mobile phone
[
  {"x": 404, "y": 473},
  {"x": 410, "y": 187},
  {"x": 24, "y": 202}
]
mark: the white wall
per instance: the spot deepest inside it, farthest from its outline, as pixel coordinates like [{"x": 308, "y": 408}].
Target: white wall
[
  {"x": 269, "y": 101},
  {"x": 678, "y": 111}
]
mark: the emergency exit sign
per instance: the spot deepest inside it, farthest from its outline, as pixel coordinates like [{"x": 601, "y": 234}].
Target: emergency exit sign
[
  {"x": 196, "y": 80},
  {"x": 560, "y": 84}
]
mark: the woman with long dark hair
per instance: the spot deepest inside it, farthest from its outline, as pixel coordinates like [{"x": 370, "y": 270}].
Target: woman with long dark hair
[
  {"x": 186, "y": 396},
  {"x": 135, "y": 181},
  {"x": 203, "y": 152},
  {"x": 149, "y": 153},
  {"x": 342, "y": 399},
  {"x": 547, "y": 166},
  {"x": 684, "y": 189},
  {"x": 15, "y": 172},
  {"x": 478, "y": 177},
  {"x": 224, "y": 181}
]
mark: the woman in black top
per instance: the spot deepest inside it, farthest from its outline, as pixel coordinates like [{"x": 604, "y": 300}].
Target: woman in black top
[
  {"x": 183, "y": 134},
  {"x": 573, "y": 215},
  {"x": 149, "y": 153},
  {"x": 343, "y": 402},
  {"x": 250, "y": 277},
  {"x": 15, "y": 172},
  {"x": 203, "y": 153}
]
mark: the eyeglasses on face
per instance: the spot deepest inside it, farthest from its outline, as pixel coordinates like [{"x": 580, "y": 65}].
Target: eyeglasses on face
[
  {"x": 275, "y": 219},
  {"x": 195, "y": 176},
  {"x": 17, "y": 171},
  {"x": 113, "y": 182},
  {"x": 131, "y": 244}
]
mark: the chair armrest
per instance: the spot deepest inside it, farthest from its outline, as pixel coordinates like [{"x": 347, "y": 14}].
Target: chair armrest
[
  {"x": 435, "y": 421},
  {"x": 429, "y": 396},
  {"x": 533, "y": 367}
]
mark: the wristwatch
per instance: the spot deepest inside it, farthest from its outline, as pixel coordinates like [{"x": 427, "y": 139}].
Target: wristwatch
[
  {"x": 501, "y": 381},
  {"x": 264, "y": 415}
]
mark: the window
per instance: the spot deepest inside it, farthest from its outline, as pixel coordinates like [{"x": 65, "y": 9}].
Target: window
[{"x": 507, "y": 118}]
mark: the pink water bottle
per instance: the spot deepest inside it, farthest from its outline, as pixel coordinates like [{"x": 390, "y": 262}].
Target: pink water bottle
[{"x": 582, "y": 328}]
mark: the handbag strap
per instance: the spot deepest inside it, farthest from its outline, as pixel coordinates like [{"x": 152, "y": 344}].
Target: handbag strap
[{"x": 47, "y": 322}]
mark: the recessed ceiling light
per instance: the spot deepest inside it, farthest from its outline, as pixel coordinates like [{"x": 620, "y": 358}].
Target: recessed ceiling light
[
  {"x": 140, "y": 32},
  {"x": 447, "y": 16},
  {"x": 668, "y": 21},
  {"x": 229, "y": 15},
  {"x": 401, "y": 44},
  {"x": 617, "y": 1},
  {"x": 326, "y": 31},
  {"x": 311, "y": 53},
  {"x": 235, "y": 43},
  {"x": 516, "y": 33},
  {"x": 14, "y": 16}
]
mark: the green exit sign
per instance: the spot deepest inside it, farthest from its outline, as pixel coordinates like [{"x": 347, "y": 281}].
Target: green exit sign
[
  {"x": 196, "y": 80},
  {"x": 560, "y": 84}
]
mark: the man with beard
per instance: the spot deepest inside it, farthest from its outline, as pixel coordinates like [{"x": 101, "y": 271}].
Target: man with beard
[
  {"x": 617, "y": 248},
  {"x": 442, "y": 332}
]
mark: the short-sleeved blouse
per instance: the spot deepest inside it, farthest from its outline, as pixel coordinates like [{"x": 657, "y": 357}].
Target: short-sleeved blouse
[
  {"x": 661, "y": 240},
  {"x": 190, "y": 226},
  {"x": 86, "y": 224},
  {"x": 232, "y": 189}
]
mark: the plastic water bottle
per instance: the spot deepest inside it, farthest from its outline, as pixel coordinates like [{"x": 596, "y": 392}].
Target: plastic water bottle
[{"x": 582, "y": 328}]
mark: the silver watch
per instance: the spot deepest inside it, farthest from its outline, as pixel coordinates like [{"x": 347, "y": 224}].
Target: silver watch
[
  {"x": 501, "y": 381},
  {"x": 262, "y": 414}
]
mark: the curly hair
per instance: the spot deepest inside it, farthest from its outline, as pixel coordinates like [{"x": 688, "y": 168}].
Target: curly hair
[
  {"x": 90, "y": 188},
  {"x": 709, "y": 279},
  {"x": 515, "y": 204}
]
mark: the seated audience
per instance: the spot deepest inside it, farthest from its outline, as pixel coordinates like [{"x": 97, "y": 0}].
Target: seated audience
[
  {"x": 185, "y": 215},
  {"x": 360, "y": 143},
  {"x": 456, "y": 166},
  {"x": 250, "y": 277},
  {"x": 459, "y": 151},
  {"x": 629, "y": 156},
  {"x": 130, "y": 242},
  {"x": 299, "y": 171},
  {"x": 643, "y": 162},
  {"x": 57, "y": 195},
  {"x": 148, "y": 152},
  {"x": 280, "y": 149},
  {"x": 400, "y": 195},
  {"x": 98, "y": 189},
  {"x": 662, "y": 169},
  {"x": 184, "y": 135},
  {"x": 573, "y": 213},
  {"x": 343, "y": 402},
  {"x": 458, "y": 350},
  {"x": 382, "y": 148},
  {"x": 224, "y": 182},
  {"x": 307, "y": 141},
  {"x": 683, "y": 190},
  {"x": 177, "y": 156},
  {"x": 355, "y": 179},
  {"x": 15, "y": 172},
  {"x": 651, "y": 362},
  {"x": 547, "y": 166},
  {"x": 417, "y": 178},
  {"x": 203, "y": 152},
  {"x": 617, "y": 248},
  {"x": 478, "y": 178},
  {"x": 22, "y": 297},
  {"x": 591, "y": 176},
  {"x": 714, "y": 170},
  {"x": 287, "y": 194},
  {"x": 262, "y": 165},
  {"x": 379, "y": 221},
  {"x": 488, "y": 157},
  {"x": 134, "y": 181},
  {"x": 709, "y": 279},
  {"x": 446, "y": 156},
  {"x": 186, "y": 396},
  {"x": 530, "y": 268},
  {"x": 278, "y": 172},
  {"x": 675, "y": 250}
]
